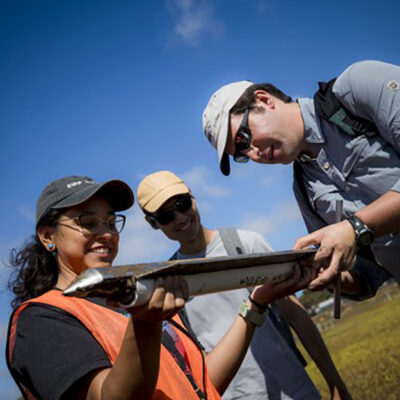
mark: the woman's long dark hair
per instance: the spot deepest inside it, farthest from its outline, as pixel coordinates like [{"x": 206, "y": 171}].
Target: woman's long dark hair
[{"x": 36, "y": 269}]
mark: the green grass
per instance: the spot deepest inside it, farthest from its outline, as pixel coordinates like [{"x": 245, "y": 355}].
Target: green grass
[{"x": 365, "y": 346}]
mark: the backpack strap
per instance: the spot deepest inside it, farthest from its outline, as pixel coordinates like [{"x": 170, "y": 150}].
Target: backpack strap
[
  {"x": 328, "y": 107},
  {"x": 284, "y": 329},
  {"x": 299, "y": 182},
  {"x": 231, "y": 241}
]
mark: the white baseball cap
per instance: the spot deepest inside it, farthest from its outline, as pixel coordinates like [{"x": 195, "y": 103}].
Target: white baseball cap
[{"x": 216, "y": 118}]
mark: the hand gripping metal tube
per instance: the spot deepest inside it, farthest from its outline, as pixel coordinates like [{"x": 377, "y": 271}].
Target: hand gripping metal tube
[{"x": 133, "y": 285}]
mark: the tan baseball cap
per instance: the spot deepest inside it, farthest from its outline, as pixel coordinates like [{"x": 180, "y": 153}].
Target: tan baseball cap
[
  {"x": 216, "y": 118},
  {"x": 155, "y": 189}
]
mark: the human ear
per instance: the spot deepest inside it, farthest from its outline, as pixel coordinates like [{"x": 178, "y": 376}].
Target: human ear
[
  {"x": 194, "y": 202},
  {"x": 151, "y": 221},
  {"x": 46, "y": 236},
  {"x": 265, "y": 98}
]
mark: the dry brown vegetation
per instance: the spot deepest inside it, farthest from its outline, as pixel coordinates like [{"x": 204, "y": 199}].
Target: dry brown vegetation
[{"x": 365, "y": 346}]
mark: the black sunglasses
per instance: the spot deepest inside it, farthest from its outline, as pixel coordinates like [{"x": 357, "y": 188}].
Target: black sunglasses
[
  {"x": 182, "y": 204},
  {"x": 242, "y": 139}
]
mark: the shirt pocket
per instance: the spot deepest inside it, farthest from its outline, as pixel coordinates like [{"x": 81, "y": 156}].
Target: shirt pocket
[
  {"x": 356, "y": 152},
  {"x": 323, "y": 198}
]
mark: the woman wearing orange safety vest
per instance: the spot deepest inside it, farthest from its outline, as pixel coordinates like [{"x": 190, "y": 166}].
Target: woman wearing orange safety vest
[{"x": 69, "y": 348}]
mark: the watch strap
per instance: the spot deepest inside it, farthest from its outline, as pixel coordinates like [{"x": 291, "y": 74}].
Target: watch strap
[
  {"x": 256, "y": 318},
  {"x": 364, "y": 234}
]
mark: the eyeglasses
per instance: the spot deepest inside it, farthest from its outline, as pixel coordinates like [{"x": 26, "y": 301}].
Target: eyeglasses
[
  {"x": 242, "y": 139},
  {"x": 183, "y": 204},
  {"x": 92, "y": 224}
]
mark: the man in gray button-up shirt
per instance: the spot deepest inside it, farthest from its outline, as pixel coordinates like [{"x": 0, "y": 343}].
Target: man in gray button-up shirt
[{"x": 259, "y": 122}]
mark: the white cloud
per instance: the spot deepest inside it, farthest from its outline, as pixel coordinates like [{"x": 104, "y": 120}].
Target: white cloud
[
  {"x": 263, "y": 225},
  {"x": 140, "y": 242},
  {"x": 243, "y": 172},
  {"x": 265, "y": 175},
  {"x": 273, "y": 176},
  {"x": 269, "y": 181},
  {"x": 285, "y": 214},
  {"x": 27, "y": 214},
  {"x": 205, "y": 207},
  {"x": 194, "y": 20},
  {"x": 199, "y": 178},
  {"x": 11, "y": 391},
  {"x": 3, "y": 332}
]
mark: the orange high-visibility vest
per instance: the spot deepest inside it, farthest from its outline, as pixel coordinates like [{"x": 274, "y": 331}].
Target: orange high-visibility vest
[{"x": 108, "y": 327}]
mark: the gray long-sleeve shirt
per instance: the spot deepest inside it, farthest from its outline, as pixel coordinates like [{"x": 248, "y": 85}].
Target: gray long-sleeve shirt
[{"x": 359, "y": 169}]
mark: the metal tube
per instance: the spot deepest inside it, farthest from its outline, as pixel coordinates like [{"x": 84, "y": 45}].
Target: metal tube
[
  {"x": 133, "y": 284},
  {"x": 338, "y": 284},
  {"x": 219, "y": 281}
]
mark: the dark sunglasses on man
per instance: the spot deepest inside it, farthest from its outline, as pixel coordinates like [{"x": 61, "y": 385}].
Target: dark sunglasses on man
[
  {"x": 242, "y": 139},
  {"x": 183, "y": 203}
]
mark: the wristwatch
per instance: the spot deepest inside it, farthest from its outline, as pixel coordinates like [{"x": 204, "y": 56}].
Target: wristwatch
[
  {"x": 252, "y": 316},
  {"x": 364, "y": 235}
]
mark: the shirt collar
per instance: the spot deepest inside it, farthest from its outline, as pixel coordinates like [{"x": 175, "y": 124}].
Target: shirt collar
[{"x": 312, "y": 129}]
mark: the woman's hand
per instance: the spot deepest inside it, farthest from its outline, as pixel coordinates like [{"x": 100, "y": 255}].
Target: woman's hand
[
  {"x": 169, "y": 296},
  {"x": 135, "y": 371},
  {"x": 271, "y": 291}
]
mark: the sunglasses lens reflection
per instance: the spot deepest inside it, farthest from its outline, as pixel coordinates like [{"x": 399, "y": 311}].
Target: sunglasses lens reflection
[
  {"x": 183, "y": 204},
  {"x": 242, "y": 139},
  {"x": 165, "y": 217}
]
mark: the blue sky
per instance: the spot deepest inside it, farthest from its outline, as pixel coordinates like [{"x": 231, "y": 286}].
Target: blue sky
[{"x": 115, "y": 89}]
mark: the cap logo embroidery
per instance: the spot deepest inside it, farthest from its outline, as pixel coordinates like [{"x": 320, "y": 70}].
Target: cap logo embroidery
[{"x": 77, "y": 183}]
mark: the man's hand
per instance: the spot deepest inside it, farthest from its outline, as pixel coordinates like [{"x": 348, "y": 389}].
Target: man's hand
[{"x": 336, "y": 251}]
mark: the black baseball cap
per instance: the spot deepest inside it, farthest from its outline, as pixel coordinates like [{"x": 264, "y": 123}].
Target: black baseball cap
[{"x": 73, "y": 190}]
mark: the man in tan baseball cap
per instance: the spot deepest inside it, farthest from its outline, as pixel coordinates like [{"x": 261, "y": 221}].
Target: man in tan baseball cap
[
  {"x": 169, "y": 205},
  {"x": 155, "y": 189}
]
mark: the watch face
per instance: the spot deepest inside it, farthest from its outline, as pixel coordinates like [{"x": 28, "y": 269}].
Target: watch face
[{"x": 366, "y": 238}]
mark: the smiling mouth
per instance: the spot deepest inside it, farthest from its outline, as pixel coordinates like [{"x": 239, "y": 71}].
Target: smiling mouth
[
  {"x": 101, "y": 250},
  {"x": 185, "y": 226}
]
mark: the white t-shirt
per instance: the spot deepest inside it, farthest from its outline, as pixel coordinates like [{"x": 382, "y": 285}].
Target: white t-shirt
[{"x": 270, "y": 369}]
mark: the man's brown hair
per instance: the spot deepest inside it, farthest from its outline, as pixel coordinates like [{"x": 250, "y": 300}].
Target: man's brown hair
[{"x": 247, "y": 99}]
